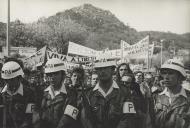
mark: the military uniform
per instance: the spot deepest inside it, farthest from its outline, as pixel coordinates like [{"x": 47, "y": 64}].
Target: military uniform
[
  {"x": 173, "y": 112},
  {"x": 53, "y": 109},
  {"x": 112, "y": 109},
  {"x": 19, "y": 107},
  {"x": 58, "y": 108}
]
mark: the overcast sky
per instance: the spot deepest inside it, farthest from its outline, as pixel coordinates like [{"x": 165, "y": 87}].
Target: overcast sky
[{"x": 143, "y": 15}]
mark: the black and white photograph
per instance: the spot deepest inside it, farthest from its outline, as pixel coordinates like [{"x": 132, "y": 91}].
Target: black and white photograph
[{"x": 94, "y": 63}]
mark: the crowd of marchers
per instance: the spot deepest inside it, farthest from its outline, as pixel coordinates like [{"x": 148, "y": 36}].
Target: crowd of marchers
[{"x": 108, "y": 96}]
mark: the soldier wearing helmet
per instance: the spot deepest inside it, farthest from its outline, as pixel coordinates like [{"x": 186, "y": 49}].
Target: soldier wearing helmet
[
  {"x": 58, "y": 110},
  {"x": 17, "y": 99},
  {"x": 110, "y": 107},
  {"x": 173, "y": 104}
]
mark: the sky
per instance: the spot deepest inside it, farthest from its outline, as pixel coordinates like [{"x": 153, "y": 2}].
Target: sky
[{"x": 143, "y": 15}]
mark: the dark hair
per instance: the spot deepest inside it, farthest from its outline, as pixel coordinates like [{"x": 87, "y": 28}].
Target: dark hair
[
  {"x": 79, "y": 70},
  {"x": 135, "y": 73},
  {"x": 118, "y": 77}
]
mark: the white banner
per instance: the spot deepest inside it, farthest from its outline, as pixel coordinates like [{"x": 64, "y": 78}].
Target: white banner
[
  {"x": 23, "y": 51},
  {"x": 36, "y": 59},
  {"x": 66, "y": 58},
  {"x": 80, "y": 50},
  {"x": 110, "y": 54},
  {"x": 27, "y": 51},
  {"x": 138, "y": 50},
  {"x": 123, "y": 45}
]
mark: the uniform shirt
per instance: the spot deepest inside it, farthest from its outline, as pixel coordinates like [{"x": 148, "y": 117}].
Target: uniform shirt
[
  {"x": 53, "y": 92},
  {"x": 20, "y": 105},
  {"x": 172, "y": 97},
  {"x": 172, "y": 111},
  {"x": 18, "y": 91},
  {"x": 97, "y": 87},
  {"x": 53, "y": 106},
  {"x": 113, "y": 109}
]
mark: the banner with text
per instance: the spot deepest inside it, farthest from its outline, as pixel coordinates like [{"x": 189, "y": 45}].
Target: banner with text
[
  {"x": 66, "y": 58},
  {"x": 138, "y": 50},
  {"x": 109, "y": 54},
  {"x": 80, "y": 50},
  {"x": 36, "y": 59}
]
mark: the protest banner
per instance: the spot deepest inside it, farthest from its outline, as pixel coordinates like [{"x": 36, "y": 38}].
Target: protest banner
[
  {"x": 123, "y": 45},
  {"x": 109, "y": 54},
  {"x": 36, "y": 59},
  {"x": 138, "y": 50},
  {"x": 23, "y": 51},
  {"x": 66, "y": 58},
  {"x": 26, "y": 51},
  {"x": 80, "y": 50}
]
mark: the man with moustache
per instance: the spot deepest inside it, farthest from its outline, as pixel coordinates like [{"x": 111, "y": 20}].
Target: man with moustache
[
  {"x": 110, "y": 105},
  {"x": 173, "y": 104}
]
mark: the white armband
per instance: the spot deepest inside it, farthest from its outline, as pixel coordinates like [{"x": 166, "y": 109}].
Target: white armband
[
  {"x": 30, "y": 107},
  {"x": 128, "y": 107},
  {"x": 71, "y": 111}
]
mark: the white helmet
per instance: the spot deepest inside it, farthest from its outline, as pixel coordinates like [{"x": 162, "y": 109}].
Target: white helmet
[
  {"x": 11, "y": 70},
  {"x": 174, "y": 64},
  {"x": 54, "y": 65}
]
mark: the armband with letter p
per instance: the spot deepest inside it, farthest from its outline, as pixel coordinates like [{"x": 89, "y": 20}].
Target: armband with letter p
[{"x": 71, "y": 111}]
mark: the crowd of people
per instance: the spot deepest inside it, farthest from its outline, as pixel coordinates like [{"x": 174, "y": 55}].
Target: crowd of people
[{"x": 108, "y": 96}]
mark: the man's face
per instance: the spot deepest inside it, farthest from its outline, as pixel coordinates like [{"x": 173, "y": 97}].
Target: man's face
[
  {"x": 123, "y": 70},
  {"x": 105, "y": 73},
  {"x": 55, "y": 79},
  {"x": 32, "y": 79},
  {"x": 13, "y": 83},
  {"x": 156, "y": 80},
  {"x": 126, "y": 80},
  {"x": 76, "y": 79},
  {"x": 148, "y": 78},
  {"x": 170, "y": 77},
  {"x": 139, "y": 77},
  {"x": 94, "y": 79}
]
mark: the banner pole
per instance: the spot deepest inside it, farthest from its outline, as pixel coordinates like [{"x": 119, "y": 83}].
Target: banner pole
[
  {"x": 121, "y": 45},
  {"x": 161, "y": 52}
]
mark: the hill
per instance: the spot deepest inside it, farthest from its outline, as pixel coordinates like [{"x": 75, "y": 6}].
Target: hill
[{"x": 86, "y": 25}]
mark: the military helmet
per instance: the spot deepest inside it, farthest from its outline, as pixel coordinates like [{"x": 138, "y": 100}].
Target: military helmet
[{"x": 11, "y": 70}]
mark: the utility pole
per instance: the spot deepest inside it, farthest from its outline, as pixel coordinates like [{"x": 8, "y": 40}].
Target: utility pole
[{"x": 8, "y": 29}]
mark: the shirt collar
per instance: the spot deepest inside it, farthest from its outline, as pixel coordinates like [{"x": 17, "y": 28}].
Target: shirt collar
[
  {"x": 114, "y": 85},
  {"x": 18, "y": 91},
  {"x": 167, "y": 93},
  {"x": 53, "y": 93}
]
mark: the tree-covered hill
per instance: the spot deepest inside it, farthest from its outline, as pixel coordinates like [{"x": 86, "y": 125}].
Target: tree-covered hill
[{"x": 86, "y": 25}]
